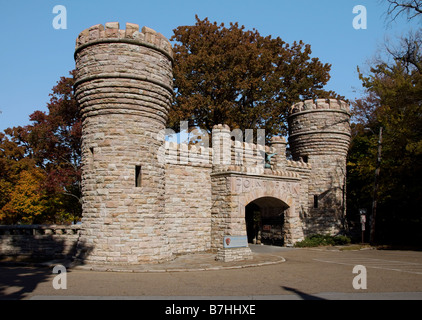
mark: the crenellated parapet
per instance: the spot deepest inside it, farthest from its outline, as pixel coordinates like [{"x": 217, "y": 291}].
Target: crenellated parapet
[
  {"x": 229, "y": 153},
  {"x": 186, "y": 154},
  {"x": 259, "y": 171},
  {"x": 298, "y": 164},
  {"x": 111, "y": 33},
  {"x": 319, "y": 104},
  {"x": 124, "y": 72},
  {"x": 319, "y": 127}
]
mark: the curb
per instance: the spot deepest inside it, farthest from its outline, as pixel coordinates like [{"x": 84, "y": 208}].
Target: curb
[{"x": 101, "y": 268}]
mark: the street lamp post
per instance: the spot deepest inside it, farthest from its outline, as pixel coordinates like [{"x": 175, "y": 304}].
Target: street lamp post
[
  {"x": 362, "y": 213},
  {"x": 375, "y": 194}
]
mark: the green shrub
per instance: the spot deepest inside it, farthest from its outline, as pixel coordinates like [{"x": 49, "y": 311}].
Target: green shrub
[
  {"x": 318, "y": 240},
  {"x": 341, "y": 240}
]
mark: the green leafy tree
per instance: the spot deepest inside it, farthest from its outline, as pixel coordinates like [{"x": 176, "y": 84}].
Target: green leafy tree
[
  {"x": 240, "y": 78},
  {"x": 394, "y": 102}
]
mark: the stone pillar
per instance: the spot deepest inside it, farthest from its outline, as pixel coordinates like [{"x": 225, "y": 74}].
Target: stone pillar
[
  {"x": 221, "y": 146},
  {"x": 319, "y": 133},
  {"x": 227, "y": 219},
  {"x": 124, "y": 88},
  {"x": 279, "y": 161}
]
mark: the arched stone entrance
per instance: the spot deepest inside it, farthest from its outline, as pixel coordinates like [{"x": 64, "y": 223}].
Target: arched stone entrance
[
  {"x": 264, "y": 218},
  {"x": 232, "y": 192}
]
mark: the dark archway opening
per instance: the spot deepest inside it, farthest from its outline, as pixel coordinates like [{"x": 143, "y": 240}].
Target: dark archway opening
[{"x": 265, "y": 221}]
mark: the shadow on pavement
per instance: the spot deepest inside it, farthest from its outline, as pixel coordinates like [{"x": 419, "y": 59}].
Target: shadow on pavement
[
  {"x": 301, "y": 294},
  {"x": 17, "y": 282},
  {"x": 22, "y": 271}
]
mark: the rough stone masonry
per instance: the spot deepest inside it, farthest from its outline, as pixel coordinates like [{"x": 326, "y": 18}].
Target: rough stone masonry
[{"x": 146, "y": 200}]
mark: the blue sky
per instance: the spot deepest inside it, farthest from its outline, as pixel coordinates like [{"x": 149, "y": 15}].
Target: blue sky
[{"x": 34, "y": 55}]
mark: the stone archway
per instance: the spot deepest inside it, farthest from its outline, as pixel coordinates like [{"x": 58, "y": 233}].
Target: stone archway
[
  {"x": 233, "y": 191},
  {"x": 264, "y": 218}
]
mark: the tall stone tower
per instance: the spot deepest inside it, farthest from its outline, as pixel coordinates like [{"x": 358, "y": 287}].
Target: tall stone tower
[
  {"x": 319, "y": 134},
  {"x": 124, "y": 88}
]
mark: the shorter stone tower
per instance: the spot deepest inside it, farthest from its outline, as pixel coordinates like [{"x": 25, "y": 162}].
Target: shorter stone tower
[
  {"x": 319, "y": 134},
  {"x": 124, "y": 87}
]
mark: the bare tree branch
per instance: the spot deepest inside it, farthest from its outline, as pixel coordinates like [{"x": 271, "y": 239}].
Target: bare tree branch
[
  {"x": 408, "y": 51},
  {"x": 72, "y": 195},
  {"x": 412, "y": 8}
]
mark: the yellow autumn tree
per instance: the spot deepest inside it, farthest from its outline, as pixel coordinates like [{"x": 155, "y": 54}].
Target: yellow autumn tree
[{"x": 27, "y": 201}]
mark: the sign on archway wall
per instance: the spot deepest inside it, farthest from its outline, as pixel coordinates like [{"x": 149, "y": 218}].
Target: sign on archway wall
[{"x": 235, "y": 242}]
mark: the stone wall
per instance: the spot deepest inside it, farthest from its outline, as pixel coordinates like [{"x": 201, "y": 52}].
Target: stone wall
[
  {"x": 39, "y": 242},
  {"x": 188, "y": 208},
  {"x": 204, "y": 203}
]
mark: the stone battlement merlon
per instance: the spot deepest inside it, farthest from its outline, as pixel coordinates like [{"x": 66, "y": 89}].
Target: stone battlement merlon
[
  {"x": 319, "y": 104},
  {"x": 223, "y": 127},
  {"x": 220, "y": 129},
  {"x": 111, "y": 33},
  {"x": 298, "y": 164}
]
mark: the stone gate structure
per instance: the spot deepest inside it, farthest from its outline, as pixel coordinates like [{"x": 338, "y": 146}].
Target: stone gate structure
[{"x": 146, "y": 200}]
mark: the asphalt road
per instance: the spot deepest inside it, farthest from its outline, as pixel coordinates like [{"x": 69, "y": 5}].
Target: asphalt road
[{"x": 306, "y": 274}]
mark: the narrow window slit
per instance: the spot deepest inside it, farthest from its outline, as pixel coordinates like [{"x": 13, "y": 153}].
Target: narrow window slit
[
  {"x": 315, "y": 202},
  {"x": 138, "y": 176}
]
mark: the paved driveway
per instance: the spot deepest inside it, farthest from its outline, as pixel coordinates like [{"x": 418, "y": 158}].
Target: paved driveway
[{"x": 305, "y": 274}]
